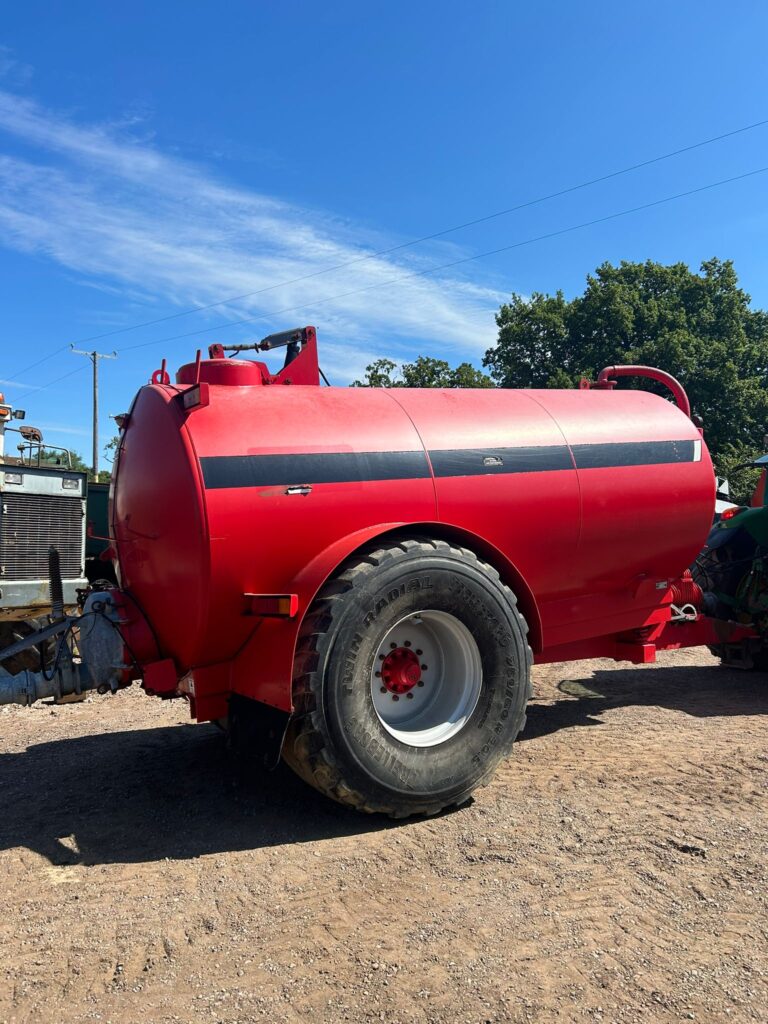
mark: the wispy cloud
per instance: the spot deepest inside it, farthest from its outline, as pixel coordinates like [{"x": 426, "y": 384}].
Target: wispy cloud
[
  {"x": 59, "y": 429},
  {"x": 121, "y": 213},
  {"x": 13, "y": 70},
  {"x": 4, "y": 382}
]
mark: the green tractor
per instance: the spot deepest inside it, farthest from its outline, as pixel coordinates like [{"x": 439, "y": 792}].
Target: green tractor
[{"x": 732, "y": 571}]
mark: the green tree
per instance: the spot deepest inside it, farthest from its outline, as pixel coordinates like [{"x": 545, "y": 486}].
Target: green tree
[
  {"x": 382, "y": 373},
  {"x": 110, "y": 448},
  {"x": 700, "y": 327},
  {"x": 424, "y": 372}
]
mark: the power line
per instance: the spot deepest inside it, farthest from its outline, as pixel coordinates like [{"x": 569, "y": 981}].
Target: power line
[
  {"x": 38, "y": 362},
  {"x": 81, "y": 369},
  {"x": 430, "y": 270},
  {"x": 64, "y": 376},
  {"x": 453, "y": 263},
  {"x": 405, "y": 245}
]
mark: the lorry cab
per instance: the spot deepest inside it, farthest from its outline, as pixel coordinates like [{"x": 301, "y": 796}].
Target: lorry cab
[{"x": 42, "y": 505}]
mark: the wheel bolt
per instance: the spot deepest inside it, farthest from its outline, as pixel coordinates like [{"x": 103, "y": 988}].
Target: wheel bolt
[
  {"x": 395, "y": 697},
  {"x": 419, "y": 652},
  {"x": 393, "y": 645},
  {"x": 407, "y": 643},
  {"x": 383, "y": 689},
  {"x": 420, "y": 682},
  {"x": 424, "y": 668},
  {"x": 409, "y": 695},
  {"x": 378, "y": 675},
  {"x": 382, "y": 657}
]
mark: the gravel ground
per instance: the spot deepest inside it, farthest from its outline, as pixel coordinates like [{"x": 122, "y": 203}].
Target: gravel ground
[{"x": 614, "y": 870}]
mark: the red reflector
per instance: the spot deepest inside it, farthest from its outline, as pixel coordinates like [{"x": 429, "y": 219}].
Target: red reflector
[
  {"x": 272, "y": 606},
  {"x": 731, "y": 512}
]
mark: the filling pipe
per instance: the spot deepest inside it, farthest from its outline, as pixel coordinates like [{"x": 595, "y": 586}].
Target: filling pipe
[{"x": 604, "y": 379}]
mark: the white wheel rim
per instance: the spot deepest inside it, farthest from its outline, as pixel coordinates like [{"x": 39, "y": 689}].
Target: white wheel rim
[{"x": 426, "y": 678}]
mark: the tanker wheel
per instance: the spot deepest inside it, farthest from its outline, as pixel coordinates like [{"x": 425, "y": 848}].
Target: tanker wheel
[{"x": 412, "y": 676}]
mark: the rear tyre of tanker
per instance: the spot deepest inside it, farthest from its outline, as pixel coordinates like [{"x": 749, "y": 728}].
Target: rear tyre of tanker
[{"x": 412, "y": 677}]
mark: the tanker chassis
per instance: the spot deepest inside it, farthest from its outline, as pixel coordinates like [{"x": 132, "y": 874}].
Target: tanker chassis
[{"x": 358, "y": 580}]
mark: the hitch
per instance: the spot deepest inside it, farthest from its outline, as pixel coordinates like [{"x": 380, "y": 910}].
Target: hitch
[{"x": 90, "y": 655}]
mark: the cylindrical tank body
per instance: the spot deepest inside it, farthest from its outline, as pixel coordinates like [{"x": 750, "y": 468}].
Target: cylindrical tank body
[{"x": 585, "y": 493}]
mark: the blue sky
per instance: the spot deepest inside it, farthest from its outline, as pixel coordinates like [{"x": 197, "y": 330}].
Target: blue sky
[{"x": 156, "y": 157}]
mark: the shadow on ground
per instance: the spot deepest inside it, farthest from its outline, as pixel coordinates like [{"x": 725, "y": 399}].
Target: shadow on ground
[
  {"x": 701, "y": 691},
  {"x": 169, "y": 792},
  {"x": 149, "y": 794}
]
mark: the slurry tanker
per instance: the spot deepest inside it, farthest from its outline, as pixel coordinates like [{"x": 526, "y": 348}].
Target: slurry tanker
[{"x": 359, "y": 580}]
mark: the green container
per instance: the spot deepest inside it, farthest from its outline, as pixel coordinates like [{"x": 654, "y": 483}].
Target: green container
[{"x": 96, "y": 511}]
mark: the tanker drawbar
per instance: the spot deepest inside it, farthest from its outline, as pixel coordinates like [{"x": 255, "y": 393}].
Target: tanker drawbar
[{"x": 359, "y": 579}]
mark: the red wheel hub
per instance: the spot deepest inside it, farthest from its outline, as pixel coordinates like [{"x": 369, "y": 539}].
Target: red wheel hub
[{"x": 400, "y": 670}]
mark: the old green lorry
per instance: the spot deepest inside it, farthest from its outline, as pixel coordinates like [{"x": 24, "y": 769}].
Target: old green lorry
[{"x": 45, "y": 504}]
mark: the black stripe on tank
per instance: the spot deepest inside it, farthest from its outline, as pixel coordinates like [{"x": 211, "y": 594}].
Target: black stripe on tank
[
  {"x": 221, "y": 471},
  {"x": 632, "y": 453},
  {"x": 311, "y": 468},
  {"x": 492, "y": 461}
]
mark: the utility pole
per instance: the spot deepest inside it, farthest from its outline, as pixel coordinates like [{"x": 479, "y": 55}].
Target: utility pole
[{"x": 95, "y": 357}]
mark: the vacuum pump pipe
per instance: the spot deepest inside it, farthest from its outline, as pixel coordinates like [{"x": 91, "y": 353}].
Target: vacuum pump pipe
[
  {"x": 674, "y": 385},
  {"x": 26, "y": 687}
]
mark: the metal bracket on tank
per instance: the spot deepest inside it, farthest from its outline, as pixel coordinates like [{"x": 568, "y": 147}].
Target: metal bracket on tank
[
  {"x": 585, "y": 384},
  {"x": 161, "y": 376}
]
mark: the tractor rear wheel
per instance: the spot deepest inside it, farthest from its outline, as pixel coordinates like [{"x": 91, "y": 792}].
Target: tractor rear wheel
[
  {"x": 758, "y": 660},
  {"x": 412, "y": 676}
]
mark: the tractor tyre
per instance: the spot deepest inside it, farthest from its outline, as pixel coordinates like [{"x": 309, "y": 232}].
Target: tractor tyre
[
  {"x": 411, "y": 680},
  {"x": 759, "y": 658}
]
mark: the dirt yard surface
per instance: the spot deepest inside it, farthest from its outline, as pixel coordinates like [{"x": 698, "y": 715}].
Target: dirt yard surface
[{"x": 615, "y": 869}]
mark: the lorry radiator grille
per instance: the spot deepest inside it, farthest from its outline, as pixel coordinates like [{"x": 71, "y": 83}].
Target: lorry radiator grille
[{"x": 29, "y": 525}]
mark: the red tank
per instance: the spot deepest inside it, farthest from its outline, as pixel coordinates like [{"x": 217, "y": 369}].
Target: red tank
[{"x": 238, "y": 495}]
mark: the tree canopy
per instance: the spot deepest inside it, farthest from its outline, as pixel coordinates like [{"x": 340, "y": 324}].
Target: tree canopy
[
  {"x": 425, "y": 372},
  {"x": 700, "y": 327}
]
